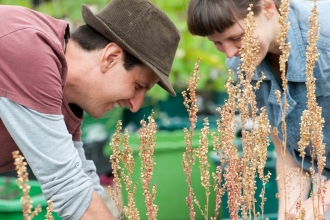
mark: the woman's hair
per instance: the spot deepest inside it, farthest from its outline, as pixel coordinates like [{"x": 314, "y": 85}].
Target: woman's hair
[
  {"x": 89, "y": 39},
  {"x": 205, "y": 17}
]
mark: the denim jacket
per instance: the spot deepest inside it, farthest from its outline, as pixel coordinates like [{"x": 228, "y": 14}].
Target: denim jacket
[{"x": 296, "y": 76}]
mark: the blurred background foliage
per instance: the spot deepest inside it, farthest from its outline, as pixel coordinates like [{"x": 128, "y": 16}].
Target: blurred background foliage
[{"x": 191, "y": 48}]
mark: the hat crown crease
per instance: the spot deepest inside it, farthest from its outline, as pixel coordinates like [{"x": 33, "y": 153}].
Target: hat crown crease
[{"x": 156, "y": 63}]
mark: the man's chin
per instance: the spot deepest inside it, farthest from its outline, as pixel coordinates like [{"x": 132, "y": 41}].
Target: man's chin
[{"x": 96, "y": 114}]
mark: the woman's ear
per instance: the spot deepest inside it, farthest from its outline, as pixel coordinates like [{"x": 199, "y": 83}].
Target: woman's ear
[
  {"x": 111, "y": 53},
  {"x": 268, "y": 7}
]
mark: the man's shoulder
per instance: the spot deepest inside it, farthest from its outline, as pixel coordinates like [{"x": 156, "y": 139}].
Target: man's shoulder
[
  {"x": 33, "y": 59},
  {"x": 17, "y": 18}
]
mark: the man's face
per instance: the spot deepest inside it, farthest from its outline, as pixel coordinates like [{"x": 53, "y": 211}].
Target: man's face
[{"x": 119, "y": 87}]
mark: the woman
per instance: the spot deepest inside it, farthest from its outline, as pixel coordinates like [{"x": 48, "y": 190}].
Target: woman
[{"x": 222, "y": 22}]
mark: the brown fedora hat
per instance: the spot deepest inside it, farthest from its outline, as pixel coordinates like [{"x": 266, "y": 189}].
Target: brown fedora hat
[{"x": 143, "y": 30}]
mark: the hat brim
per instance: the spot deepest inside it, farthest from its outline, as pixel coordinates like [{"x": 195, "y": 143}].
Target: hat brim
[{"x": 95, "y": 22}]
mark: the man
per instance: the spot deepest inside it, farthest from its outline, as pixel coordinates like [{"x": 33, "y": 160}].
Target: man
[{"x": 49, "y": 79}]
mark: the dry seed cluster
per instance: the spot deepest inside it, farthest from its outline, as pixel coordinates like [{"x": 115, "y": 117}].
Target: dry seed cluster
[
  {"x": 50, "y": 210},
  {"x": 312, "y": 121},
  {"x": 147, "y": 134},
  {"x": 237, "y": 172},
  {"x": 240, "y": 171},
  {"x": 190, "y": 102},
  {"x": 285, "y": 49},
  {"x": 250, "y": 165},
  {"x": 123, "y": 158},
  {"x": 22, "y": 181},
  {"x": 122, "y": 161},
  {"x": 311, "y": 136}
]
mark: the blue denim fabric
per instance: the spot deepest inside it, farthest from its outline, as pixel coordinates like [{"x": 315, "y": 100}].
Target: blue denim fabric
[{"x": 296, "y": 76}]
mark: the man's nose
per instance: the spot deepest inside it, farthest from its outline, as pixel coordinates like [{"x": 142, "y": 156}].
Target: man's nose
[{"x": 135, "y": 103}]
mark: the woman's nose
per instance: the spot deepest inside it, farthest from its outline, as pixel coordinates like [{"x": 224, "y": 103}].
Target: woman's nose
[{"x": 230, "y": 50}]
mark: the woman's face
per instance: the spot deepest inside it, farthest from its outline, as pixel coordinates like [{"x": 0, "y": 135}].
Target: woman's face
[{"x": 230, "y": 41}]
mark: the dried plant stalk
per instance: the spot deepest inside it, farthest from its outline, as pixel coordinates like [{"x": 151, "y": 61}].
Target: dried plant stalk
[
  {"x": 229, "y": 158},
  {"x": 22, "y": 181},
  {"x": 240, "y": 169},
  {"x": 223, "y": 145},
  {"x": 190, "y": 102},
  {"x": 115, "y": 159},
  {"x": 312, "y": 120},
  {"x": 285, "y": 49},
  {"x": 50, "y": 210},
  {"x": 254, "y": 142},
  {"x": 147, "y": 134},
  {"x": 201, "y": 153},
  {"x": 126, "y": 158},
  {"x": 281, "y": 39},
  {"x": 262, "y": 140}
]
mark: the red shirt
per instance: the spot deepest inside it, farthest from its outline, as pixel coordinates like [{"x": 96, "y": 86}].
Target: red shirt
[{"x": 33, "y": 70}]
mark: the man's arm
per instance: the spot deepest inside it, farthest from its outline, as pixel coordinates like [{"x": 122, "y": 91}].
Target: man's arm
[
  {"x": 97, "y": 210},
  {"x": 49, "y": 150},
  {"x": 89, "y": 167}
]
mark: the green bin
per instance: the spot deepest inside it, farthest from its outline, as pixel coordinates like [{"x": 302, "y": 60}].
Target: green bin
[
  {"x": 10, "y": 204},
  {"x": 272, "y": 216},
  {"x": 271, "y": 203},
  {"x": 170, "y": 179},
  {"x": 97, "y": 129}
]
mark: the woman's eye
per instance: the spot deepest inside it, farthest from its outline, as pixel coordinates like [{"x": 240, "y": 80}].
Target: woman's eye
[{"x": 237, "y": 38}]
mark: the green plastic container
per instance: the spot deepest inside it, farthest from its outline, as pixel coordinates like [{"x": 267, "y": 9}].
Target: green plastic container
[
  {"x": 170, "y": 179},
  {"x": 271, "y": 203},
  {"x": 97, "y": 129},
  {"x": 10, "y": 204},
  {"x": 95, "y": 135},
  {"x": 272, "y": 216}
]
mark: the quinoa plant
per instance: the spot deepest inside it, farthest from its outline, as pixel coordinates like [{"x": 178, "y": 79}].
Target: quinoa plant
[{"x": 22, "y": 181}]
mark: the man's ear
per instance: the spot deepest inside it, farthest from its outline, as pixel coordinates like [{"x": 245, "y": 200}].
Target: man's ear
[
  {"x": 268, "y": 7},
  {"x": 111, "y": 53}
]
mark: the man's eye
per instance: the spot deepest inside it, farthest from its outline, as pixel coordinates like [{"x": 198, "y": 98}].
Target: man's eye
[
  {"x": 217, "y": 43},
  {"x": 138, "y": 86}
]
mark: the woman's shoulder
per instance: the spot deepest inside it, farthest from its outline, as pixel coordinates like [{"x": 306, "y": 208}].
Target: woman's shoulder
[
  {"x": 233, "y": 63},
  {"x": 301, "y": 10}
]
